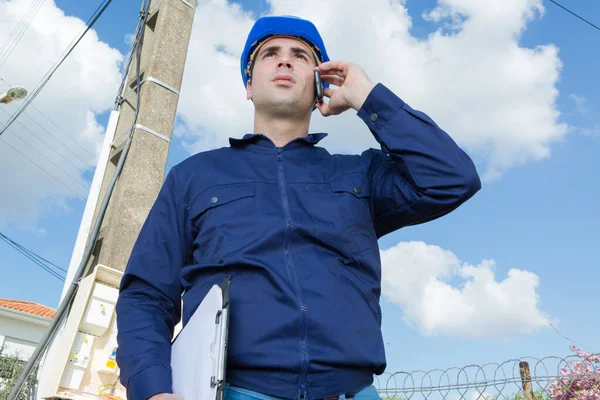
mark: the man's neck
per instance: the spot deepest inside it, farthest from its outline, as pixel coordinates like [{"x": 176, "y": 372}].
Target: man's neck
[{"x": 281, "y": 130}]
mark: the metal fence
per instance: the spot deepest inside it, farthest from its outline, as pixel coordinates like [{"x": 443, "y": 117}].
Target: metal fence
[{"x": 550, "y": 378}]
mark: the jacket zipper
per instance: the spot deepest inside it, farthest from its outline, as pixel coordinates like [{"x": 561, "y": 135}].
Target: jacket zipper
[{"x": 292, "y": 272}]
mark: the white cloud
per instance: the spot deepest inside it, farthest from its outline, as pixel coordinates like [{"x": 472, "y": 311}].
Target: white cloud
[
  {"x": 416, "y": 276},
  {"x": 213, "y": 102},
  {"x": 593, "y": 131},
  {"x": 129, "y": 39},
  {"x": 495, "y": 97},
  {"x": 579, "y": 103},
  {"x": 83, "y": 87},
  {"x": 477, "y": 395}
]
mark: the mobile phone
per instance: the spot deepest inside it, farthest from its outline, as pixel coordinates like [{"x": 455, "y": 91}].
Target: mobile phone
[{"x": 318, "y": 85}]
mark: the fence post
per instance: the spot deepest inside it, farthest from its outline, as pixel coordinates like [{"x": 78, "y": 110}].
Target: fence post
[{"x": 526, "y": 380}]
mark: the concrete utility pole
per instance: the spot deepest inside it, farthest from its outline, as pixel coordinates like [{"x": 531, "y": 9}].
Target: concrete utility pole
[
  {"x": 163, "y": 56},
  {"x": 162, "y": 60}
]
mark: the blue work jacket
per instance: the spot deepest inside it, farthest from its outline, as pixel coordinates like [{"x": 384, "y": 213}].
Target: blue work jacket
[{"x": 296, "y": 228}]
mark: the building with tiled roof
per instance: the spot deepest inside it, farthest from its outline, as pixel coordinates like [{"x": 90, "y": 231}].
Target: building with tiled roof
[
  {"x": 28, "y": 307},
  {"x": 22, "y": 325}
]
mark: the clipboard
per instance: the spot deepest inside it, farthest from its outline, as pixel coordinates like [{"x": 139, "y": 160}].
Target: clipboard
[{"x": 199, "y": 352}]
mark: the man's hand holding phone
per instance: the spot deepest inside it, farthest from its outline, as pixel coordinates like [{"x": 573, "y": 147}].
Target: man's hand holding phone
[{"x": 353, "y": 87}]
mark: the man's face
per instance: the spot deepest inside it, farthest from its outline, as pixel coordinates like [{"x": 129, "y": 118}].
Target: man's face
[{"x": 282, "y": 80}]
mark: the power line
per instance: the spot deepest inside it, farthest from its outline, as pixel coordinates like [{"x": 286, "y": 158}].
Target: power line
[
  {"x": 60, "y": 129},
  {"x": 38, "y": 260},
  {"x": 569, "y": 339},
  {"x": 43, "y": 169},
  {"x": 571, "y": 12},
  {"x": 8, "y": 84},
  {"x": 52, "y": 148},
  {"x": 19, "y": 31},
  {"x": 62, "y": 144},
  {"x": 89, "y": 153},
  {"x": 20, "y": 28},
  {"x": 52, "y": 162},
  {"x": 99, "y": 11},
  {"x": 32, "y": 253}
]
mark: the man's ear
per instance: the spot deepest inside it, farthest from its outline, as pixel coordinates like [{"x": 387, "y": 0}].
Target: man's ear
[{"x": 249, "y": 90}]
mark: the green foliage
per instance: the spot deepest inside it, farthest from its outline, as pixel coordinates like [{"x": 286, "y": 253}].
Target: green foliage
[
  {"x": 393, "y": 397},
  {"x": 10, "y": 370},
  {"x": 537, "y": 395}
]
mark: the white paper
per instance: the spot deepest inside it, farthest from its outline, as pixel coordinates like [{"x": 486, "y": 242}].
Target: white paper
[{"x": 194, "y": 352}]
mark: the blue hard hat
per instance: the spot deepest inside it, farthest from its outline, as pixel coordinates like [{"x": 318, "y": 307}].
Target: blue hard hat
[{"x": 286, "y": 25}]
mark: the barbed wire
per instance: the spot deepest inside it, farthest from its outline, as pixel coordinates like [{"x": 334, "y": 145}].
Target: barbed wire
[{"x": 528, "y": 378}]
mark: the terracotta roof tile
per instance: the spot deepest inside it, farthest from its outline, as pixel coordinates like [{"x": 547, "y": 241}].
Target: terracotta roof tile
[{"x": 28, "y": 307}]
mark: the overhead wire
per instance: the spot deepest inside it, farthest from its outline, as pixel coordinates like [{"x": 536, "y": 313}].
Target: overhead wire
[
  {"x": 86, "y": 163},
  {"x": 89, "y": 153},
  {"x": 576, "y": 15},
  {"x": 75, "y": 179},
  {"x": 82, "y": 172},
  {"x": 43, "y": 169},
  {"x": 571, "y": 340},
  {"x": 15, "y": 36},
  {"x": 48, "y": 270},
  {"x": 99, "y": 11},
  {"x": 36, "y": 259},
  {"x": 33, "y": 254},
  {"x": 8, "y": 84}
]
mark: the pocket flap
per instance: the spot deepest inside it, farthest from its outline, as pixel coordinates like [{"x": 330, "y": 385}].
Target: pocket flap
[
  {"x": 354, "y": 183},
  {"x": 219, "y": 195}
]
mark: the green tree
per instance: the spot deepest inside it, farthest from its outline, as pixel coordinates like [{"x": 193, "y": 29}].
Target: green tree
[{"x": 11, "y": 367}]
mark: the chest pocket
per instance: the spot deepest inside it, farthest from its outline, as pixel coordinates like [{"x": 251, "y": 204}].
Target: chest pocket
[
  {"x": 222, "y": 220},
  {"x": 341, "y": 214}
]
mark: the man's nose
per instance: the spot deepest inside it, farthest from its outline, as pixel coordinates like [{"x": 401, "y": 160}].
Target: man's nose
[{"x": 284, "y": 61}]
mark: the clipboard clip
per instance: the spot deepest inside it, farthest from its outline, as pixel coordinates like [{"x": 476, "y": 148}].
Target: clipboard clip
[
  {"x": 220, "y": 339},
  {"x": 221, "y": 336},
  {"x": 218, "y": 378}
]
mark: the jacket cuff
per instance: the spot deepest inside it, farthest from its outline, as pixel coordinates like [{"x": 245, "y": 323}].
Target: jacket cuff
[
  {"x": 148, "y": 382},
  {"x": 379, "y": 108}
]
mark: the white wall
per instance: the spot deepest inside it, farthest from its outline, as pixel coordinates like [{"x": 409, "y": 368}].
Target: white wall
[{"x": 20, "y": 332}]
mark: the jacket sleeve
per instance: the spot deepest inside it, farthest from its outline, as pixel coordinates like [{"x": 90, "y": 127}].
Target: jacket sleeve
[
  {"x": 420, "y": 174},
  {"x": 149, "y": 303}
]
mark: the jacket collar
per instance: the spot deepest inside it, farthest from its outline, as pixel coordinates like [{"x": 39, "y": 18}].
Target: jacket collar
[{"x": 260, "y": 140}]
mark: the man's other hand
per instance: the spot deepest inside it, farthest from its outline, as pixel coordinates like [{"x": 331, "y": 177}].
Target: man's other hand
[
  {"x": 165, "y": 396},
  {"x": 353, "y": 87}
]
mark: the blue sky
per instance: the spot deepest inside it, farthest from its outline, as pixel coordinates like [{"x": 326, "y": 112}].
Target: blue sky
[{"x": 541, "y": 216}]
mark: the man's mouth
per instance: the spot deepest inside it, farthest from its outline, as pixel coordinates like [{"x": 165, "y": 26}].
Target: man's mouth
[{"x": 284, "y": 78}]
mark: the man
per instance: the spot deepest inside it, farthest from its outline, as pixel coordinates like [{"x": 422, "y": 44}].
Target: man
[{"x": 295, "y": 227}]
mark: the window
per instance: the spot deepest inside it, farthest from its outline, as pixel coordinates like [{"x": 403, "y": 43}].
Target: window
[{"x": 23, "y": 348}]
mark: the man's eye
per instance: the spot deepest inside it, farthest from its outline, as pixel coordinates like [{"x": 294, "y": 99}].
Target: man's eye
[
  {"x": 302, "y": 56},
  {"x": 269, "y": 54}
]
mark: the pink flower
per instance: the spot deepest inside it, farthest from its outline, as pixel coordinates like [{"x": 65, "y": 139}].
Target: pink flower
[{"x": 581, "y": 381}]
